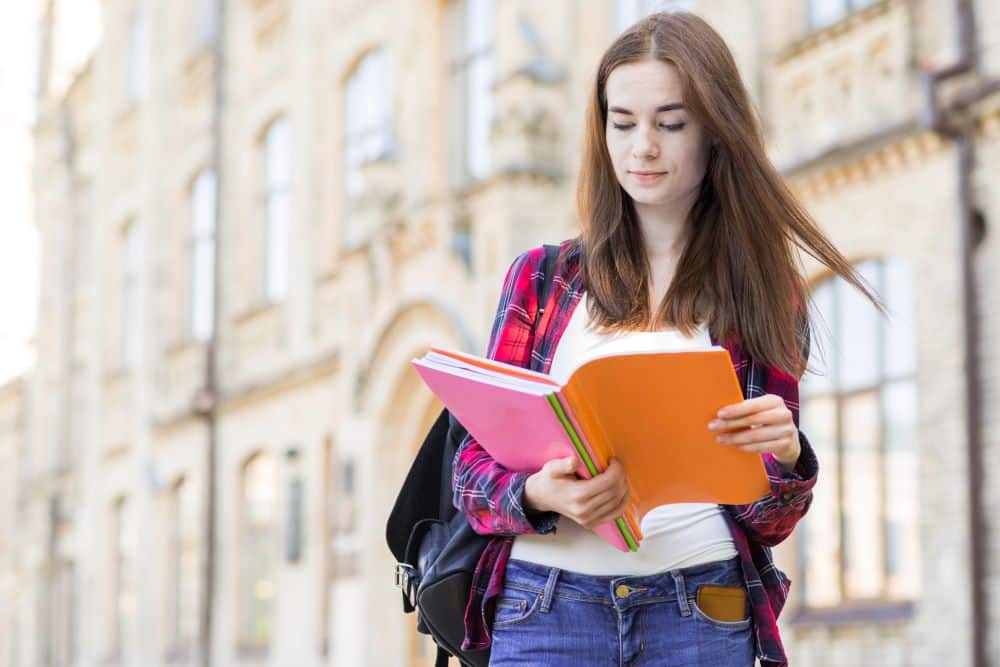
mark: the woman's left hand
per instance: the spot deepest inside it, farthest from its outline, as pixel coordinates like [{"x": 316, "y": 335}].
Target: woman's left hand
[{"x": 762, "y": 424}]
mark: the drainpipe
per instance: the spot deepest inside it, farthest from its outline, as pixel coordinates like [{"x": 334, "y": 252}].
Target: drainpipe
[
  {"x": 206, "y": 401},
  {"x": 971, "y": 232}
]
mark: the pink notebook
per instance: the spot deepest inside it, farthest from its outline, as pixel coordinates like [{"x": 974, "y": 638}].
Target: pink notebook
[{"x": 500, "y": 418}]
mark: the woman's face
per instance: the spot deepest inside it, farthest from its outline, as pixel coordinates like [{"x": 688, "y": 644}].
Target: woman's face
[{"x": 658, "y": 149}]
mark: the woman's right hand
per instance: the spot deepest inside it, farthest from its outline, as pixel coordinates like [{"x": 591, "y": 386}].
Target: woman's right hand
[{"x": 589, "y": 502}]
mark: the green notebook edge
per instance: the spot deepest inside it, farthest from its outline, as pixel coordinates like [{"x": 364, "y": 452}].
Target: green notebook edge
[{"x": 587, "y": 461}]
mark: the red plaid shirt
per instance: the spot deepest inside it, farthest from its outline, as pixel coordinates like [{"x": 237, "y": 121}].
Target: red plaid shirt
[{"x": 491, "y": 496}]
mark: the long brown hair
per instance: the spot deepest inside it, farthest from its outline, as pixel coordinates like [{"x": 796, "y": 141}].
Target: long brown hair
[{"x": 737, "y": 271}]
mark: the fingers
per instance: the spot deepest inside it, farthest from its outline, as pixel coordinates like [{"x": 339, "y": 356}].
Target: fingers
[
  {"x": 777, "y": 415},
  {"x": 606, "y": 512},
  {"x": 750, "y": 406},
  {"x": 613, "y": 475},
  {"x": 560, "y": 467},
  {"x": 756, "y": 435}
]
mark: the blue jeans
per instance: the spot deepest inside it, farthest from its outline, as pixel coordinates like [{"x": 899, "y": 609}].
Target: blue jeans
[{"x": 547, "y": 616}]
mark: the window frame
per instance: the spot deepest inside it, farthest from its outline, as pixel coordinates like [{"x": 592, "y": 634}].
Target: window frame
[
  {"x": 180, "y": 539},
  {"x": 464, "y": 57},
  {"x": 846, "y": 8},
  {"x": 369, "y": 85},
  {"x": 276, "y": 189},
  {"x": 201, "y": 239},
  {"x": 137, "y": 64},
  {"x": 248, "y": 645},
  {"x": 131, "y": 294},
  {"x": 848, "y": 607}
]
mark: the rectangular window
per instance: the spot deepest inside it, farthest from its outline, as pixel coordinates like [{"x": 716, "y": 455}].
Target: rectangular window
[
  {"x": 202, "y": 256},
  {"x": 277, "y": 209},
  {"x": 472, "y": 74},
  {"x": 204, "y": 22},
  {"x": 123, "y": 599},
  {"x": 131, "y": 333},
  {"x": 183, "y": 529},
  {"x": 138, "y": 55},
  {"x": 859, "y": 409},
  {"x": 827, "y": 12},
  {"x": 628, "y": 12},
  {"x": 258, "y": 553},
  {"x": 369, "y": 134}
]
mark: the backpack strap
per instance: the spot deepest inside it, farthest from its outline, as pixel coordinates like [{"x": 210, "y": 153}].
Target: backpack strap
[{"x": 548, "y": 270}]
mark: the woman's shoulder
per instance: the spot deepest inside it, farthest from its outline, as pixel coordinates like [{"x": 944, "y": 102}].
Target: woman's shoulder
[{"x": 569, "y": 254}]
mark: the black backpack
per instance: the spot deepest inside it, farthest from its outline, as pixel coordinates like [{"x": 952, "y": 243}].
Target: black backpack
[{"x": 435, "y": 548}]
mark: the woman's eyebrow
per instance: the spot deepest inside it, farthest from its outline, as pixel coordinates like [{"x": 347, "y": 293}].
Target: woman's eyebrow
[{"x": 665, "y": 107}]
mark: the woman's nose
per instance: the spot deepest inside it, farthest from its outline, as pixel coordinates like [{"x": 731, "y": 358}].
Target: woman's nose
[{"x": 646, "y": 145}]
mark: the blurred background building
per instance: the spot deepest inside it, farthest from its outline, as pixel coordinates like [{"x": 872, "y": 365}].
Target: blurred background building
[{"x": 254, "y": 213}]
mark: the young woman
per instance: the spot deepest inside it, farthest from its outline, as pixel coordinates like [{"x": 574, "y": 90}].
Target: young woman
[{"x": 687, "y": 233}]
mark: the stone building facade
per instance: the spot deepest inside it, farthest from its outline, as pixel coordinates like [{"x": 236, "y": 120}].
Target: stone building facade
[{"x": 362, "y": 173}]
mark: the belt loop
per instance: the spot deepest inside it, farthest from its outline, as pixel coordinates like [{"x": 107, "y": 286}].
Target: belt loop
[
  {"x": 550, "y": 589},
  {"x": 682, "y": 598}
]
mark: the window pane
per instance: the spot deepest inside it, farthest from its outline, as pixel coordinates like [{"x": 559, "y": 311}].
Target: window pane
[
  {"x": 822, "y": 523},
  {"x": 277, "y": 245},
  {"x": 479, "y": 25},
  {"x": 902, "y": 475},
  {"x": 628, "y": 12},
  {"x": 202, "y": 255},
  {"x": 278, "y": 155},
  {"x": 203, "y": 205},
  {"x": 259, "y": 549},
  {"x": 202, "y": 290},
  {"x": 900, "y": 344},
  {"x": 131, "y": 341},
  {"x": 862, "y": 494},
  {"x": 825, "y": 12},
  {"x": 480, "y": 114},
  {"x": 125, "y": 601},
  {"x": 819, "y": 379},
  {"x": 184, "y": 561},
  {"x": 857, "y": 332},
  {"x": 137, "y": 54},
  {"x": 206, "y": 20}
]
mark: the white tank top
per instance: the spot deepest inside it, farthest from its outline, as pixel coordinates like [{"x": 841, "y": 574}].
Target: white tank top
[{"x": 675, "y": 535}]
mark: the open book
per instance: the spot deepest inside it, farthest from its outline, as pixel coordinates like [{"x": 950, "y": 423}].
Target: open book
[{"x": 649, "y": 409}]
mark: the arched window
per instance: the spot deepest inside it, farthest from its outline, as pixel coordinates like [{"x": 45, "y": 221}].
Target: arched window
[
  {"x": 182, "y": 557},
  {"x": 258, "y": 551},
  {"x": 368, "y": 131},
  {"x": 123, "y": 598},
  {"x": 859, "y": 540}
]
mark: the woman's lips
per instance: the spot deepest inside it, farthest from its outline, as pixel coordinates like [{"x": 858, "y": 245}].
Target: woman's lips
[{"x": 646, "y": 179}]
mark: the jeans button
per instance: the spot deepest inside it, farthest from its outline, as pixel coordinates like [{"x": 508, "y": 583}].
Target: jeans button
[{"x": 621, "y": 591}]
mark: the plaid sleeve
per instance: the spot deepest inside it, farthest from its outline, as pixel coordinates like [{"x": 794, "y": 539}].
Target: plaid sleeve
[
  {"x": 771, "y": 519},
  {"x": 490, "y": 495}
]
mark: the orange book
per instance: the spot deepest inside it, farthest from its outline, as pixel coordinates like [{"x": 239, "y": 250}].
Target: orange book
[{"x": 649, "y": 409}]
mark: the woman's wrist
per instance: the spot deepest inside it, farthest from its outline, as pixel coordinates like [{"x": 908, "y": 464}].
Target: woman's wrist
[{"x": 789, "y": 458}]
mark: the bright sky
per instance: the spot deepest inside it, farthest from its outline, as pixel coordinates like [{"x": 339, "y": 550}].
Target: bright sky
[{"x": 75, "y": 35}]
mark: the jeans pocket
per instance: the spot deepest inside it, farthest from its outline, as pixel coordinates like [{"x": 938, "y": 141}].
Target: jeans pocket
[
  {"x": 722, "y": 625},
  {"x": 515, "y": 606}
]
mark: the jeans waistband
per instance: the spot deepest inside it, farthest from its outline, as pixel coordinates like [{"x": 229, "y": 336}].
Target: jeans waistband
[{"x": 621, "y": 591}]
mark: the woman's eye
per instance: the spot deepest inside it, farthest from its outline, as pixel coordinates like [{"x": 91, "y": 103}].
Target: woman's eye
[{"x": 673, "y": 128}]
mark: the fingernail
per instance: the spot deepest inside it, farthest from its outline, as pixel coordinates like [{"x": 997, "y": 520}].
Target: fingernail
[
  {"x": 714, "y": 424},
  {"x": 722, "y": 439}
]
